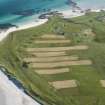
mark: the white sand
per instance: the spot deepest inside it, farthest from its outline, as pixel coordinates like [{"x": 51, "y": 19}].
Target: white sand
[{"x": 11, "y": 95}]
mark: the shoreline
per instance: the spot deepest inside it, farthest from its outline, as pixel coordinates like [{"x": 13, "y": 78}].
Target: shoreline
[
  {"x": 69, "y": 13},
  {"x": 4, "y": 33}
]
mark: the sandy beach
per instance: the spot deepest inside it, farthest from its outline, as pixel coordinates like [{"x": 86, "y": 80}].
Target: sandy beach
[{"x": 71, "y": 14}]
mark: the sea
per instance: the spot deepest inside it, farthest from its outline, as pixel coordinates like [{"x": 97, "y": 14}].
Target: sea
[{"x": 23, "y": 11}]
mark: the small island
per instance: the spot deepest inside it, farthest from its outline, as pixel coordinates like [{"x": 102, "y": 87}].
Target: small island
[{"x": 61, "y": 62}]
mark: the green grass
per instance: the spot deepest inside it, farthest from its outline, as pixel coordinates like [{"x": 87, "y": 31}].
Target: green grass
[{"x": 89, "y": 90}]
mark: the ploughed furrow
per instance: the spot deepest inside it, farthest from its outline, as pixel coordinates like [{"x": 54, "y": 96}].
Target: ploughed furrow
[
  {"x": 50, "y": 59},
  {"x": 102, "y": 83},
  {"x": 51, "y": 41},
  {"x": 63, "y": 84},
  {"x": 50, "y": 49},
  {"x": 48, "y": 54},
  {"x": 60, "y": 64},
  {"x": 52, "y": 36}
]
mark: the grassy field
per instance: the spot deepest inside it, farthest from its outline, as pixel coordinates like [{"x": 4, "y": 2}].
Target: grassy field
[{"x": 85, "y": 89}]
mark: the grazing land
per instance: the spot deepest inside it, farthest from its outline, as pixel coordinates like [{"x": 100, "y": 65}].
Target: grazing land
[{"x": 61, "y": 62}]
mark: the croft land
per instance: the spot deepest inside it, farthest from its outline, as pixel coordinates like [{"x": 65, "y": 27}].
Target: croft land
[{"x": 61, "y": 62}]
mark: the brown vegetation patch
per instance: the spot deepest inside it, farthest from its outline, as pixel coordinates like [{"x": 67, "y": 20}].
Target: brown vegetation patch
[
  {"x": 102, "y": 83},
  {"x": 52, "y": 36},
  {"x": 60, "y": 64},
  {"x": 88, "y": 32},
  {"x": 51, "y": 59},
  {"x": 51, "y": 41},
  {"x": 52, "y": 71},
  {"x": 80, "y": 47},
  {"x": 63, "y": 84}
]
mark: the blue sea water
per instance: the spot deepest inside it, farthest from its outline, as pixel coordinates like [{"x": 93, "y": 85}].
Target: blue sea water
[{"x": 8, "y": 7}]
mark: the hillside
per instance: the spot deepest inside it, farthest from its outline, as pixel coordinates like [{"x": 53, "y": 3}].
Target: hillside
[{"x": 61, "y": 62}]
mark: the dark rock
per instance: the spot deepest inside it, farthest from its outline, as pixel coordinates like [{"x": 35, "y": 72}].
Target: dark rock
[
  {"x": 49, "y": 14},
  {"x": 28, "y": 12},
  {"x": 6, "y": 26}
]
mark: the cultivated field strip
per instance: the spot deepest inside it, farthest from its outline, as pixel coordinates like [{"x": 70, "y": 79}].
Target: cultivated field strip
[
  {"x": 51, "y": 41},
  {"x": 51, "y": 59},
  {"x": 60, "y": 64},
  {"x": 48, "y": 54},
  {"x": 63, "y": 84},
  {"x": 48, "y": 49},
  {"x": 52, "y": 36},
  {"x": 54, "y": 60},
  {"x": 53, "y": 71},
  {"x": 102, "y": 83}
]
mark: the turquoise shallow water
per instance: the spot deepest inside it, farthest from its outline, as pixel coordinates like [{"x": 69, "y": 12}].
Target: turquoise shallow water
[{"x": 8, "y": 7}]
